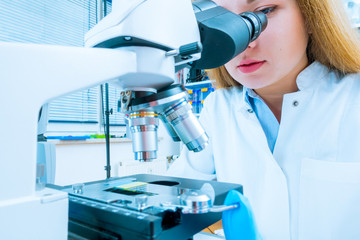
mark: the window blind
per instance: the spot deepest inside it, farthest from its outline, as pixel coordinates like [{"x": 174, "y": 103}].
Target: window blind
[
  {"x": 81, "y": 107},
  {"x": 56, "y": 22}
]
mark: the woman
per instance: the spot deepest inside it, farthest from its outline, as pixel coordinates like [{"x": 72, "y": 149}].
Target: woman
[{"x": 285, "y": 122}]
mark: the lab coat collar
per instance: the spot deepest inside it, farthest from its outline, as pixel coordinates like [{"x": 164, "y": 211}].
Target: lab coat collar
[
  {"x": 310, "y": 77},
  {"x": 239, "y": 99}
]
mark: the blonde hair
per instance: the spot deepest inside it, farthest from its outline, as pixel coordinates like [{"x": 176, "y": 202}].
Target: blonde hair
[{"x": 332, "y": 41}]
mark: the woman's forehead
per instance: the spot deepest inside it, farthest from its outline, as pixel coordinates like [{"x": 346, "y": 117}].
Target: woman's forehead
[
  {"x": 242, "y": 5},
  {"x": 246, "y": 2}
]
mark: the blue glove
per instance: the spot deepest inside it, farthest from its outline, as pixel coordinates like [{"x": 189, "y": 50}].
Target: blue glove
[{"x": 238, "y": 223}]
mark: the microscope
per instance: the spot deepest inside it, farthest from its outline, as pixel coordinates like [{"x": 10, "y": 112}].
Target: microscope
[
  {"x": 138, "y": 47},
  {"x": 213, "y": 37}
]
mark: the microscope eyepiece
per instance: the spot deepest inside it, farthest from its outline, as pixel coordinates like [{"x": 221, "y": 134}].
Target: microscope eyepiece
[
  {"x": 223, "y": 33},
  {"x": 256, "y": 22}
]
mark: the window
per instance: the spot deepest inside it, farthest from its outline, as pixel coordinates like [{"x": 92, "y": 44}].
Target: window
[
  {"x": 80, "y": 107},
  {"x": 58, "y": 22},
  {"x": 61, "y": 22},
  {"x": 352, "y": 8}
]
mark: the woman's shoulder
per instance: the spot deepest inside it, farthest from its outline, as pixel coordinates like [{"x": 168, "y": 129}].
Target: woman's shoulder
[
  {"x": 344, "y": 87},
  {"x": 225, "y": 94},
  {"x": 353, "y": 77},
  {"x": 222, "y": 101},
  {"x": 320, "y": 77},
  {"x": 335, "y": 76},
  {"x": 349, "y": 82},
  {"x": 323, "y": 78}
]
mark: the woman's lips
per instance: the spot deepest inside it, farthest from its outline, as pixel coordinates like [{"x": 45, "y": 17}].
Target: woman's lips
[{"x": 250, "y": 66}]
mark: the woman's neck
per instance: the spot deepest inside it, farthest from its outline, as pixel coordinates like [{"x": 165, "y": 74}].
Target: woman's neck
[
  {"x": 273, "y": 94},
  {"x": 274, "y": 101}
]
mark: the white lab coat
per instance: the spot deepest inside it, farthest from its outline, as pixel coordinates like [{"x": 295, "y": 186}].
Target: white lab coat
[{"x": 309, "y": 188}]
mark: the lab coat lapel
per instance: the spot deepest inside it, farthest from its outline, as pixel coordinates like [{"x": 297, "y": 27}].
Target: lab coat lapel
[{"x": 266, "y": 187}]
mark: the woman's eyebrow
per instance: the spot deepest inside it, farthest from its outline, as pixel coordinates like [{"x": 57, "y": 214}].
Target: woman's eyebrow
[{"x": 250, "y": 1}]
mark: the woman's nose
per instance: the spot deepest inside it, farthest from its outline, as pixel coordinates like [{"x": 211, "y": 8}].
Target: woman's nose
[{"x": 252, "y": 44}]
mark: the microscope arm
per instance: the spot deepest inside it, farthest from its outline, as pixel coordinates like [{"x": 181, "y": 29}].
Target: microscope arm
[{"x": 32, "y": 75}]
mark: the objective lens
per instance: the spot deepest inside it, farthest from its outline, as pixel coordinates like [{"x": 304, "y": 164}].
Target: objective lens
[
  {"x": 172, "y": 108},
  {"x": 187, "y": 126},
  {"x": 143, "y": 126},
  {"x": 170, "y": 129}
]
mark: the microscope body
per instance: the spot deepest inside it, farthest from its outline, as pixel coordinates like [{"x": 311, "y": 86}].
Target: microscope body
[
  {"x": 148, "y": 97},
  {"x": 138, "y": 49},
  {"x": 38, "y": 74},
  {"x": 157, "y": 43}
]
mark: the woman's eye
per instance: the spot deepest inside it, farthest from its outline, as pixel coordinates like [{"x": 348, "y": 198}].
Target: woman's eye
[{"x": 267, "y": 10}]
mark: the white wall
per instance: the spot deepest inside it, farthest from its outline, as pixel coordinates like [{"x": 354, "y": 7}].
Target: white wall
[{"x": 78, "y": 161}]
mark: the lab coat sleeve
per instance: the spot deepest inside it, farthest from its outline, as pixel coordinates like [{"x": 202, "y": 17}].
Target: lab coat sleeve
[{"x": 198, "y": 165}]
